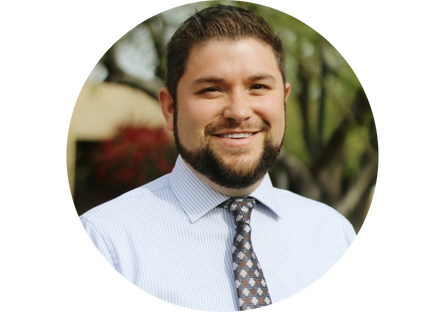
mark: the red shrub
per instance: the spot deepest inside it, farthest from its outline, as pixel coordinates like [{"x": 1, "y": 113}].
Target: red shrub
[{"x": 134, "y": 156}]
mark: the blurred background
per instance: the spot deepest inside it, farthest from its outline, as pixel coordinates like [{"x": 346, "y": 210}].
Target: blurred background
[{"x": 117, "y": 139}]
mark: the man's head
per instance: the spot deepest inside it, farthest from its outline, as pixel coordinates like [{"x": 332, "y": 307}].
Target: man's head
[
  {"x": 217, "y": 22},
  {"x": 226, "y": 101}
]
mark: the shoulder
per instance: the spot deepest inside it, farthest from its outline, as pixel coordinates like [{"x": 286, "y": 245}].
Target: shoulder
[
  {"x": 115, "y": 224},
  {"x": 322, "y": 222},
  {"x": 133, "y": 202},
  {"x": 294, "y": 201},
  {"x": 314, "y": 213}
]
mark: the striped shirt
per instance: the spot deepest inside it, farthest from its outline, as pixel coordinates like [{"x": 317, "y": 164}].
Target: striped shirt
[{"x": 170, "y": 238}]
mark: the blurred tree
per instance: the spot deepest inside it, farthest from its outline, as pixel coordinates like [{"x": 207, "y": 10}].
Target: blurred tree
[{"x": 330, "y": 151}]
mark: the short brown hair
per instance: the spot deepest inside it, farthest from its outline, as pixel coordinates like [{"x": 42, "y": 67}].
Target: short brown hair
[{"x": 220, "y": 22}]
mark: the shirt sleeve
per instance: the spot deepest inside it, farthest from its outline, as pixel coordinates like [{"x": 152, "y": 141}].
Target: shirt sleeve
[
  {"x": 350, "y": 234},
  {"x": 98, "y": 241}
]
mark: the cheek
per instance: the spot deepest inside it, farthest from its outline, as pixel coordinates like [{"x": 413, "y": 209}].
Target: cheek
[
  {"x": 275, "y": 115},
  {"x": 190, "y": 128},
  {"x": 198, "y": 114},
  {"x": 277, "y": 122}
]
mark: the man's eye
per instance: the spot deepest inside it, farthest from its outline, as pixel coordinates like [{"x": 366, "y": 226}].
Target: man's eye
[
  {"x": 259, "y": 88},
  {"x": 208, "y": 90}
]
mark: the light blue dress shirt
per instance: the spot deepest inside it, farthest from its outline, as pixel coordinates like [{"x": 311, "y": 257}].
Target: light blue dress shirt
[{"x": 170, "y": 238}]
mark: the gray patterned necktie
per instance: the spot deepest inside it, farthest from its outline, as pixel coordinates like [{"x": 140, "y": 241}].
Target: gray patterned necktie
[{"x": 249, "y": 279}]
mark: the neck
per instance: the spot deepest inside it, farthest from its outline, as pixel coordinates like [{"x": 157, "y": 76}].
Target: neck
[{"x": 238, "y": 192}]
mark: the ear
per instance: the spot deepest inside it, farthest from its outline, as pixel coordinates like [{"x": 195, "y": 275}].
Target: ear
[
  {"x": 286, "y": 91},
  {"x": 166, "y": 101}
]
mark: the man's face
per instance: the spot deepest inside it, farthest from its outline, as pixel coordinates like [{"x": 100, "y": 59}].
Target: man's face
[{"x": 230, "y": 117}]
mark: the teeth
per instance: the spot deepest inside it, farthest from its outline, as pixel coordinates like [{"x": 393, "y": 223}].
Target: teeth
[{"x": 237, "y": 135}]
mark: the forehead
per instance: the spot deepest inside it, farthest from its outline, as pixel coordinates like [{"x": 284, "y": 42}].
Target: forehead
[
  {"x": 232, "y": 55},
  {"x": 212, "y": 41}
]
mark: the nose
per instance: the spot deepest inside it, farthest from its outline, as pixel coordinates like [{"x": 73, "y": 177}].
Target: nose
[{"x": 238, "y": 107}]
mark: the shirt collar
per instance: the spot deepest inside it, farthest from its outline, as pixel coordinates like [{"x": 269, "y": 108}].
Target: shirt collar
[{"x": 196, "y": 198}]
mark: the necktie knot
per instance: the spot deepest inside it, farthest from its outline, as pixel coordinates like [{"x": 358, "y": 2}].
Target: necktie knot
[{"x": 241, "y": 209}]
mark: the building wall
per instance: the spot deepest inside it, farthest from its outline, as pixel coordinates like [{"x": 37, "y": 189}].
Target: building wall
[{"x": 100, "y": 108}]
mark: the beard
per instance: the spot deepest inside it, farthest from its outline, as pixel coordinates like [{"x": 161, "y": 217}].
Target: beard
[{"x": 237, "y": 176}]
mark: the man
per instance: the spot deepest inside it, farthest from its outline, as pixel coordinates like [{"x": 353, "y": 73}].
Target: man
[{"x": 215, "y": 234}]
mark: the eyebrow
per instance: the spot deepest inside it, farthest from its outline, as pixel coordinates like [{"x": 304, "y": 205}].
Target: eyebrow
[
  {"x": 209, "y": 79},
  {"x": 261, "y": 77},
  {"x": 215, "y": 79}
]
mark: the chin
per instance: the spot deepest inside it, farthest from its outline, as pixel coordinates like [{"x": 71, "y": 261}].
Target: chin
[{"x": 234, "y": 169}]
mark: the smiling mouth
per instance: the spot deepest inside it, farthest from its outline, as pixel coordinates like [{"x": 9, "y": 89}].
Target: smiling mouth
[{"x": 236, "y": 135}]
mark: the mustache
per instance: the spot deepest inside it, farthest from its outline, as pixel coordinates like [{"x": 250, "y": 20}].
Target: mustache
[{"x": 234, "y": 125}]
